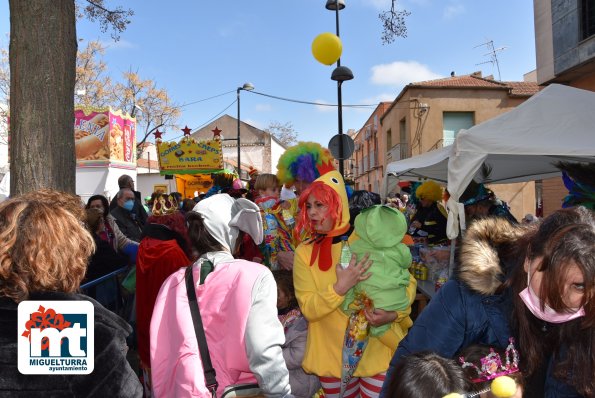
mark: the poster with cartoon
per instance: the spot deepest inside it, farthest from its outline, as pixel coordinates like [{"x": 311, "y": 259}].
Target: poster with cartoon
[{"x": 104, "y": 137}]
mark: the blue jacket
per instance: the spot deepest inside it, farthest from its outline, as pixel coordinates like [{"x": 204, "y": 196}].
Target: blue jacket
[
  {"x": 456, "y": 318},
  {"x": 467, "y": 310}
]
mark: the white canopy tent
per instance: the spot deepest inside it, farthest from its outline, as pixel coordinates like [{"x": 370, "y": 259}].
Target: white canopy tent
[
  {"x": 556, "y": 124},
  {"x": 432, "y": 165}
]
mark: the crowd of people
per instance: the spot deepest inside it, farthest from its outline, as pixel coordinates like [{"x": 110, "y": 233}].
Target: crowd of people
[{"x": 296, "y": 286}]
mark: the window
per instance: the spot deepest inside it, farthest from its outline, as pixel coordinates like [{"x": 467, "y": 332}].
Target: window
[
  {"x": 587, "y": 15},
  {"x": 402, "y": 131},
  {"x": 374, "y": 158},
  {"x": 452, "y": 122},
  {"x": 389, "y": 140}
]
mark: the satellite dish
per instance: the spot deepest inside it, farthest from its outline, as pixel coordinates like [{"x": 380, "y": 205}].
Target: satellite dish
[{"x": 339, "y": 140}]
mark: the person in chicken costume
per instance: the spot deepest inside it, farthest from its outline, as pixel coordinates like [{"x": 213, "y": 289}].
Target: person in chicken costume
[{"x": 321, "y": 285}]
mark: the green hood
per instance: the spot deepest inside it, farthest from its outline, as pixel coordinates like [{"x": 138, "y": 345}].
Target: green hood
[{"x": 381, "y": 226}]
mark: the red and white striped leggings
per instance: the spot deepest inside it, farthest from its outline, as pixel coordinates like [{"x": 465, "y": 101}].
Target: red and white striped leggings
[{"x": 365, "y": 387}]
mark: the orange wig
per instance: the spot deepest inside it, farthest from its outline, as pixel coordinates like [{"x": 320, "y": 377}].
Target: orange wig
[{"x": 327, "y": 196}]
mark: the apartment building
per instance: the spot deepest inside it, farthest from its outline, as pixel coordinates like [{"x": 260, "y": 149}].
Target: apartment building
[
  {"x": 369, "y": 157},
  {"x": 428, "y": 115},
  {"x": 565, "y": 54}
]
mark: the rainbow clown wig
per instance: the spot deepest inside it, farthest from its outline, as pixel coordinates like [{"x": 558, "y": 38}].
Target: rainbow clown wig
[
  {"x": 304, "y": 162},
  {"x": 429, "y": 190}
]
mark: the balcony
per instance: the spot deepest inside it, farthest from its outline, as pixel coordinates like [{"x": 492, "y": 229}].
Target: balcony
[{"x": 398, "y": 152}]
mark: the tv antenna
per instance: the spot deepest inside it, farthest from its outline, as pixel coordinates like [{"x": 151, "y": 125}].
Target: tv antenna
[{"x": 493, "y": 54}]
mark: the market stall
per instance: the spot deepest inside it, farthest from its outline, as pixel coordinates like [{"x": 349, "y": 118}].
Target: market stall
[
  {"x": 192, "y": 163},
  {"x": 523, "y": 144}
]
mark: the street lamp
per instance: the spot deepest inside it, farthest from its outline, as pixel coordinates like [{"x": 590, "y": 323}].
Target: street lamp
[
  {"x": 247, "y": 87},
  {"x": 135, "y": 109},
  {"x": 340, "y": 74}
]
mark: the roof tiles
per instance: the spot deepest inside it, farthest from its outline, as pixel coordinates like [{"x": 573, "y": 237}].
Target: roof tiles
[{"x": 476, "y": 81}]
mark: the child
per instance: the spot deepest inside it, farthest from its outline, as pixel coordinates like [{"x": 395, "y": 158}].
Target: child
[
  {"x": 296, "y": 332},
  {"x": 277, "y": 235},
  {"x": 381, "y": 230},
  {"x": 483, "y": 364},
  {"x": 426, "y": 375}
]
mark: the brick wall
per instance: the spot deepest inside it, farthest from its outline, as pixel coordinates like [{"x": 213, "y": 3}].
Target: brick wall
[{"x": 554, "y": 192}]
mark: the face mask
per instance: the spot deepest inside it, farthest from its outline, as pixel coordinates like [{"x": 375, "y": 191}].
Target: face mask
[
  {"x": 548, "y": 314},
  {"x": 128, "y": 205},
  {"x": 99, "y": 208}
]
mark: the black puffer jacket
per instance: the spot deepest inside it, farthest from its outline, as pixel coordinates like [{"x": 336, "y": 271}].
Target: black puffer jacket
[{"x": 111, "y": 377}]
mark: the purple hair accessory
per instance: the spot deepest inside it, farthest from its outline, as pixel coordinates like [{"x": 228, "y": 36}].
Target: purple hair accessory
[{"x": 304, "y": 169}]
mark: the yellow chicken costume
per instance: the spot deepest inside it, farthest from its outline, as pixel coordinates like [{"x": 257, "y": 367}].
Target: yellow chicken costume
[{"x": 314, "y": 276}]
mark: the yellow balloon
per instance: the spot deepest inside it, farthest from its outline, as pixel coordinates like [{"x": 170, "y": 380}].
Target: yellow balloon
[
  {"x": 327, "y": 48},
  {"x": 503, "y": 387}
]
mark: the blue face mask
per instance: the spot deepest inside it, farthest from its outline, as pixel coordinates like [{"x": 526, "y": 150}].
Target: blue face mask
[{"x": 128, "y": 205}]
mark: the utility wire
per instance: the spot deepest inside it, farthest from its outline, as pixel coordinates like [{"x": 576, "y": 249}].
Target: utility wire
[
  {"x": 265, "y": 95},
  {"x": 208, "y": 121},
  {"x": 311, "y": 103},
  {"x": 205, "y": 99}
]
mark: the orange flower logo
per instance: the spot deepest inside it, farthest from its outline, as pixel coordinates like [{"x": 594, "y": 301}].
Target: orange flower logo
[{"x": 43, "y": 319}]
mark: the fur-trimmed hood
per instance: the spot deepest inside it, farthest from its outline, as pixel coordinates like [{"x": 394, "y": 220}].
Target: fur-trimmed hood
[{"x": 480, "y": 263}]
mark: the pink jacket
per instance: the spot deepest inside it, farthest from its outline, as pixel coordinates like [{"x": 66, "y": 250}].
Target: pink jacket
[{"x": 225, "y": 301}]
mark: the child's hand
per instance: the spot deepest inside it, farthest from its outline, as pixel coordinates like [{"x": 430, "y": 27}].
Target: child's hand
[
  {"x": 378, "y": 317},
  {"x": 350, "y": 276}
]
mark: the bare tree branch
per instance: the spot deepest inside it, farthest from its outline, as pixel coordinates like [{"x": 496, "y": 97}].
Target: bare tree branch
[
  {"x": 393, "y": 24},
  {"x": 116, "y": 19},
  {"x": 283, "y": 132}
]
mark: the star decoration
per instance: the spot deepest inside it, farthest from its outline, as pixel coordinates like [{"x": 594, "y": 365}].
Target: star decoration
[
  {"x": 157, "y": 134},
  {"x": 186, "y": 131},
  {"x": 216, "y": 132}
]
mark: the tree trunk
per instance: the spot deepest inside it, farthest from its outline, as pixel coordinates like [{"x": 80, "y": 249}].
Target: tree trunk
[{"x": 42, "y": 75}]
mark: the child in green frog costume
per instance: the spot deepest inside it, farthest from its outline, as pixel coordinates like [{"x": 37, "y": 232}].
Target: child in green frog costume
[{"x": 381, "y": 230}]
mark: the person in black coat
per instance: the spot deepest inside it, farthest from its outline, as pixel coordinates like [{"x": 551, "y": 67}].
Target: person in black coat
[
  {"x": 429, "y": 220},
  {"x": 125, "y": 217},
  {"x": 44, "y": 249},
  {"x": 140, "y": 214},
  {"x": 104, "y": 261}
]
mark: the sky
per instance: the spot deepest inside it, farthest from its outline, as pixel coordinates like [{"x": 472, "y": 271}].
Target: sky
[{"x": 198, "y": 49}]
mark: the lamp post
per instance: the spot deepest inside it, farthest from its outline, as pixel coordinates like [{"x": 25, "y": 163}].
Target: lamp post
[
  {"x": 247, "y": 87},
  {"x": 340, "y": 74}
]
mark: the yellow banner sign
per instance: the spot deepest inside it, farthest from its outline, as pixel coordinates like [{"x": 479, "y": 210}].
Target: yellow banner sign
[{"x": 189, "y": 154}]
